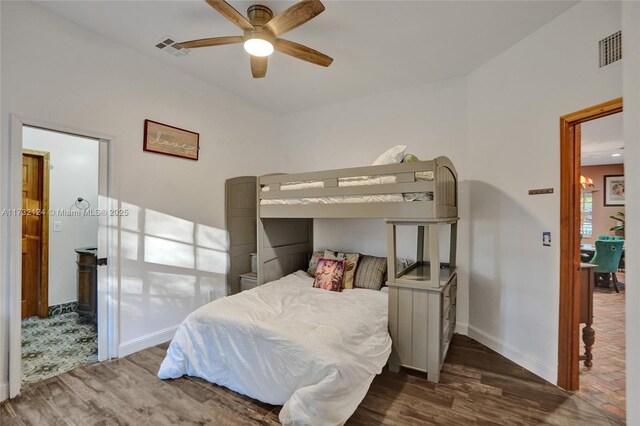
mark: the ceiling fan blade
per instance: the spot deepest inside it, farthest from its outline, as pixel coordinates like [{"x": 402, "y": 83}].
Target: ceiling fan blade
[
  {"x": 226, "y": 10},
  {"x": 302, "y": 52},
  {"x": 259, "y": 66},
  {"x": 295, "y": 16},
  {"x": 215, "y": 41}
]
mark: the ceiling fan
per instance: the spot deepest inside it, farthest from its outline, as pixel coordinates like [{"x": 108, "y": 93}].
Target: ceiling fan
[{"x": 262, "y": 31}]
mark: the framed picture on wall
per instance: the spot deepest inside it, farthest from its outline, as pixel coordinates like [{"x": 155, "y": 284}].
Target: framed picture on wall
[
  {"x": 170, "y": 140},
  {"x": 614, "y": 190}
]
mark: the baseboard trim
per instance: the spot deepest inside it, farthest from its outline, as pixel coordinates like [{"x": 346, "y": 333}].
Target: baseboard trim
[
  {"x": 525, "y": 361},
  {"x": 4, "y": 391},
  {"x": 147, "y": 341},
  {"x": 462, "y": 329}
]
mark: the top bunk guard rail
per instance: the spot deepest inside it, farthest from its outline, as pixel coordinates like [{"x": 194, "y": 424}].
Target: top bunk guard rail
[{"x": 442, "y": 188}]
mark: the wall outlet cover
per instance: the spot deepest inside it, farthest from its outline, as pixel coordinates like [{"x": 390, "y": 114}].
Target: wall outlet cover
[{"x": 57, "y": 226}]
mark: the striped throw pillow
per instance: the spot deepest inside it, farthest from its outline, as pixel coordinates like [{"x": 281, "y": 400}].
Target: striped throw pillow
[{"x": 370, "y": 272}]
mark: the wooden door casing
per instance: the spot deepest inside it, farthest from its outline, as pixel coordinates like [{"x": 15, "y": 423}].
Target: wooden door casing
[{"x": 569, "y": 315}]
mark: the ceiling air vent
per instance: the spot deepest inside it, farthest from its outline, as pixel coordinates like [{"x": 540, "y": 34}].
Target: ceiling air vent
[
  {"x": 610, "y": 49},
  {"x": 169, "y": 45}
]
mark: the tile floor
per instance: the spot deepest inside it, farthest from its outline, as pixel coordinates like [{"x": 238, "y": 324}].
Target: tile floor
[
  {"x": 54, "y": 345},
  {"x": 604, "y": 383}
]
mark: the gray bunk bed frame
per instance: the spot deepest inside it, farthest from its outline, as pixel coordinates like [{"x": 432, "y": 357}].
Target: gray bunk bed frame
[{"x": 422, "y": 299}]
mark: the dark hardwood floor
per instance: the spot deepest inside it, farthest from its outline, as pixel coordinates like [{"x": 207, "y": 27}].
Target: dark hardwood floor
[{"x": 477, "y": 386}]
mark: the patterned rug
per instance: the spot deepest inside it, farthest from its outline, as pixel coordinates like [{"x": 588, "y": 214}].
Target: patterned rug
[{"x": 57, "y": 344}]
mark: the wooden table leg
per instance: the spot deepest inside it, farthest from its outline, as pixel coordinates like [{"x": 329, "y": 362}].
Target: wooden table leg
[{"x": 588, "y": 337}]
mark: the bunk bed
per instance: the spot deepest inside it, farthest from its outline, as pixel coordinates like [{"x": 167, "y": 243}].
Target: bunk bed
[
  {"x": 316, "y": 352},
  {"x": 416, "y": 190},
  {"x": 421, "y": 194}
]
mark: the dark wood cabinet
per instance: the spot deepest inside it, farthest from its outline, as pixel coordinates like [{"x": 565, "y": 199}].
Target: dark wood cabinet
[
  {"x": 87, "y": 282},
  {"x": 587, "y": 283}
]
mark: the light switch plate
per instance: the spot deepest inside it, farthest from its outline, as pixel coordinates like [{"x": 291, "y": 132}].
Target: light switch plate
[
  {"x": 57, "y": 226},
  {"x": 546, "y": 239}
]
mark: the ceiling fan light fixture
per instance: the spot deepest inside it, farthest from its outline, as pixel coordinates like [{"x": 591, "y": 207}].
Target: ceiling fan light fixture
[{"x": 258, "y": 47}]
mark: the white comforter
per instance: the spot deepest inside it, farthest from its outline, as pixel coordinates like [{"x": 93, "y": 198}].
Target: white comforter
[{"x": 286, "y": 343}]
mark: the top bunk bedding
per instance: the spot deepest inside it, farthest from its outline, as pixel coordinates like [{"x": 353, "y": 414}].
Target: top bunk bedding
[{"x": 415, "y": 190}]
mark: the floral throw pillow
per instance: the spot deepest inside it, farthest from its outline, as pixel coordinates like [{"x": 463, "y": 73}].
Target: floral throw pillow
[
  {"x": 329, "y": 274},
  {"x": 350, "y": 267}
]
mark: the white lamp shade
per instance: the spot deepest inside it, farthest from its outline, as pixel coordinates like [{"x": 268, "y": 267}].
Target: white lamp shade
[{"x": 258, "y": 47}]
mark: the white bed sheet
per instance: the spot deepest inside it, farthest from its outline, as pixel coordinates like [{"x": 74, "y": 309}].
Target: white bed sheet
[
  {"x": 314, "y": 351},
  {"x": 350, "y": 181},
  {"x": 346, "y": 199}
]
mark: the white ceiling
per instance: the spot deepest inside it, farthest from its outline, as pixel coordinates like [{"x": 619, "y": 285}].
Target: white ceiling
[
  {"x": 600, "y": 139},
  {"x": 376, "y": 45}
]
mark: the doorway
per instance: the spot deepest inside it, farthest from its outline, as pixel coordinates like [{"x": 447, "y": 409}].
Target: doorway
[
  {"x": 572, "y": 221},
  {"x": 602, "y": 228},
  {"x": 61, "y": 219},
  {"x": 60, "y": 186}
]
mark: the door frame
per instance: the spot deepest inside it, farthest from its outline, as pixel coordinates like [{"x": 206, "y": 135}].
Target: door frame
[
  {"x": 108, "y": 242},
  {"x": 43, "y": 288},
  {"x": 569, "y": 322}
]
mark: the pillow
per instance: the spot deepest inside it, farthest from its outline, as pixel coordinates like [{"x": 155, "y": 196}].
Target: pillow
[
  {"x": 313, "y": 262},
  {"x": 350, "y": 267},
  {"x": 329, "y": 274},
  {"x": 402, "y": 263},
  {"x": 391, "y": 156},
  {"x": 410, "y": 158},
  {"x": 370, "y": 272}
]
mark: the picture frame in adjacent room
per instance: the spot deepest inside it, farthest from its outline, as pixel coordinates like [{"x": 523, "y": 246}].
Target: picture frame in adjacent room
[
  {"x": 613, "y": 190},
  {"x": 170, "y": 140}
]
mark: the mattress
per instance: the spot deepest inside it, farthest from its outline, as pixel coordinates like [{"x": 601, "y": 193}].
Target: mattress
[
  {"x": 286, "y": 343},
  {"x": 350, "y": 181},
  {"x": 346, "y": 199}
]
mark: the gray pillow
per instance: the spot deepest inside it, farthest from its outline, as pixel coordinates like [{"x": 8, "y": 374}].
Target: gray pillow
[
  {"x": 370, "y": 272},
  {"x": 313, "y": 262}
]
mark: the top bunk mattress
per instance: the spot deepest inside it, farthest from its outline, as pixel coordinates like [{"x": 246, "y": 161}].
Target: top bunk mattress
[
  {"x": 350, "y": 181},
  {"x": 346, "y": 199}
]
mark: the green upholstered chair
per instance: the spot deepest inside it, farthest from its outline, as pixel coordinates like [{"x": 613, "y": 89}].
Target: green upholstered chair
[
  {"x": 611, "y": 238},
  {"x": 607, "y": 258}
]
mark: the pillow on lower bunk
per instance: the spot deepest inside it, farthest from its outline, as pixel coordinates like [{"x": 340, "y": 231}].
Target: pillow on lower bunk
[
  {"x": 350, "y": 267},
  {"x": 313, "y": 262},
  {"x": 370, "y": 272},
  {"x": 329, "y": 274},
  {"x": 391, "y": 156}
]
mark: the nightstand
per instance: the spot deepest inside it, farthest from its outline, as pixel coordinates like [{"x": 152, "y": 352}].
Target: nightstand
[{"x": 248, "y": 280}]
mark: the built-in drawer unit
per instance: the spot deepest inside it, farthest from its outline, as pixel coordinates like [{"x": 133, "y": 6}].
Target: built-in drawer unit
[
  {"x": 421, "y": 324},
  {"x": 248, "y": 281},
  {"x": 422, "y": 301}
]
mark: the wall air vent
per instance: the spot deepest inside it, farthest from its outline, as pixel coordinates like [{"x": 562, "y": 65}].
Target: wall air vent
[
  {"x": 169, "y": 45},
  {"x": 610, "y": 49}
]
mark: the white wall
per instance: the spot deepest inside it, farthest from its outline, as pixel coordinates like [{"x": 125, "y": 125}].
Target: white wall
[
  {"x": 631, "y": 70},
  {"x": 173, "y": 243},
  {"x": 429, "y": 119},
  {"x": 515, "y": 101},
  {"x": 73, "y": 173}
]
